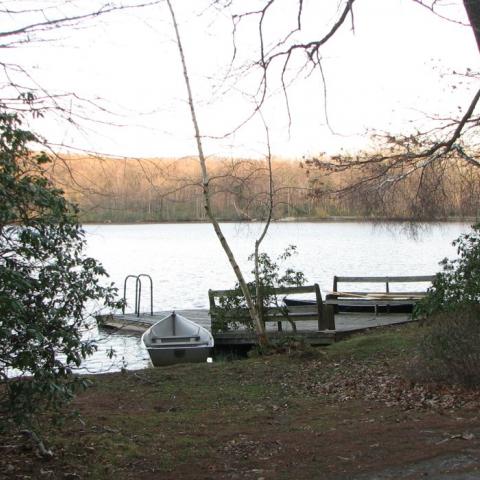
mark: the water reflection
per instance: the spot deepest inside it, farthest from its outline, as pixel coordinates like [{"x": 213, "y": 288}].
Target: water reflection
[{"x": 116, "y": 351}]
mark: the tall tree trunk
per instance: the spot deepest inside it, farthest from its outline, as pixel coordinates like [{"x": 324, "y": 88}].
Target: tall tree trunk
[
  {"x": 258, "y": 292},
  {"x": 259, "y": 325},
  {"x": 473, "y": 11}
]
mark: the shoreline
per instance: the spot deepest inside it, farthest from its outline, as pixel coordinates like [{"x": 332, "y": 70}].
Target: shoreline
[{"x": 333, "y": 219}]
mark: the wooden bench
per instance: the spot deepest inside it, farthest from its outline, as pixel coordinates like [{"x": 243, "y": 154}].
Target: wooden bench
[
  {"x": 376, "y": 299},
  {"x": 317, "y": 311}
]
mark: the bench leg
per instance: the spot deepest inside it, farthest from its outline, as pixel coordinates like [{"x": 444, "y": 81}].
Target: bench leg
[{"x": 327, "y": 322}]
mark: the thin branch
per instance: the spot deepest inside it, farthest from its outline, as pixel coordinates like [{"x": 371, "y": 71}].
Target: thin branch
[
  {"x": 314, "y": 46},
  {"x": 70, "y": 20},
  {"x": 431, "y": 8}
]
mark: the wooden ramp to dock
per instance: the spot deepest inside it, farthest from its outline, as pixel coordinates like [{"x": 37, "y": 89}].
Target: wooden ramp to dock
[{"x": 345, "y": 323}]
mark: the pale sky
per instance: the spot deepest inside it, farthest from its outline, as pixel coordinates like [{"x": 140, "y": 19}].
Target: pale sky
[{"x": 393, "y": 72}]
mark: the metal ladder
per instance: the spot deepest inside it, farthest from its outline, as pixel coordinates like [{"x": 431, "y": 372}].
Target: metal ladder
[{"x": 138, "y": 292}]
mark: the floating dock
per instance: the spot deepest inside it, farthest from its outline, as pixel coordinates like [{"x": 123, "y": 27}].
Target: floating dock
[{"x": 345, "y": 324}]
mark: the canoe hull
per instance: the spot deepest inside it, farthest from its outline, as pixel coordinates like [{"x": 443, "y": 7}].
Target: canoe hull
[
  {"x": 170, "y": 356},
  {"x": 175, "y": 339}
]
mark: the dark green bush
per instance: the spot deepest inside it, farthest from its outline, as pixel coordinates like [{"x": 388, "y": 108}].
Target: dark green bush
[
  {"x": 458, "y": 283},
  {"x": 449, "y": 351},
  {"x": 46, "y": 284}
]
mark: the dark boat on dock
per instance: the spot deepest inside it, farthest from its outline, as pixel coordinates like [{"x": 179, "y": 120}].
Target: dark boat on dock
[{"x": 359, "y": 307}]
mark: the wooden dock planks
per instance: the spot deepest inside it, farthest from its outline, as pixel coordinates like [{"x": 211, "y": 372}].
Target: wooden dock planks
[{"x": 345, "y": 323}]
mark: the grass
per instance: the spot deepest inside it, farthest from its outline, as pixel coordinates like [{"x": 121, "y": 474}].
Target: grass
[
  {"x": 392, "y": 340},
  {"x": 271, "y": 417}
]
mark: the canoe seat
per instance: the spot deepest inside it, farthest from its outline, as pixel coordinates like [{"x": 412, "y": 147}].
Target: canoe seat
[
  {"x": 176, "y": 339},
  {"x": 179, "y": 345}
]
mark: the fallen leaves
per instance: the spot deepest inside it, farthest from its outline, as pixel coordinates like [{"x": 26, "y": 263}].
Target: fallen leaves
[{"x": 380, "y": 381}]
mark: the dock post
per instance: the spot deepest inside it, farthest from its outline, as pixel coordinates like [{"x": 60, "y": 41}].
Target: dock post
[
  {"x": 322, "y": 324},
  {"x": 335, "y": 287},
  {"x": 329, "y": 316},
  {"x": 211, "y": 299}
]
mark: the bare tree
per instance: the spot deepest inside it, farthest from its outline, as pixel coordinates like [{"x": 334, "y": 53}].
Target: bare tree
[
  {"x": 472, "y": 8},
  {"x": 282, "y": 55},
  {"x": 259, "y": 240},
  {"x": 253, "y": 311}
]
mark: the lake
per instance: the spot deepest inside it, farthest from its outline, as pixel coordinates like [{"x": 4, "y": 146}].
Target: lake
[{"x": 185, "y": 260}]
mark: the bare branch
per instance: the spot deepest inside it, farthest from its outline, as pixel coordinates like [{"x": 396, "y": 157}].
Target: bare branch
[
  {"x": 312, "y": 47},
  {"x": 68, "y": 21},
  {"x": 431, "y": 7}
]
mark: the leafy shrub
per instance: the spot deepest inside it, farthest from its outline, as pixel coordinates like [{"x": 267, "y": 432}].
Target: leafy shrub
[
  {"x": 46, "y": 282},
  {"x": 459, "y": 282},
  {"x": 449, "y": 350},
  {"x": 232, "y": 314}
]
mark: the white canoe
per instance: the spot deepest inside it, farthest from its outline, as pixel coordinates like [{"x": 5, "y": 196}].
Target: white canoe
[{"x": 175, "y": 339}]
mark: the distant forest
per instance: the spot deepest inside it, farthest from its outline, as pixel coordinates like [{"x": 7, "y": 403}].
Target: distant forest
[{"x": 168, "y": 190}]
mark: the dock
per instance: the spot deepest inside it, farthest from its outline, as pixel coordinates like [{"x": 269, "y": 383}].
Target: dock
[
  {"x": 345, "y": 324},
  {"x": 318, "y": 321}
]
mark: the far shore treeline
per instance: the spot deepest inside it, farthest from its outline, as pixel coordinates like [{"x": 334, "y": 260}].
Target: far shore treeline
[{"x": 168, "y": 189}]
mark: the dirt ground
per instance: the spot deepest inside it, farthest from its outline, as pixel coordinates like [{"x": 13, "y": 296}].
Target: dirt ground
[{"x": 350, "y": 413}]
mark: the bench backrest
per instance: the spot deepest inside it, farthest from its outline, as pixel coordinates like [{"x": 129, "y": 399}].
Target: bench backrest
[
  {"x": 386, "y": 280},
  {"x": 290, "y": 313}
]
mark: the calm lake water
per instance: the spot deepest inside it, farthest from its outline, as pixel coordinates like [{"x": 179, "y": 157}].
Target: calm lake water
[{"x": 185, "y": 260}]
